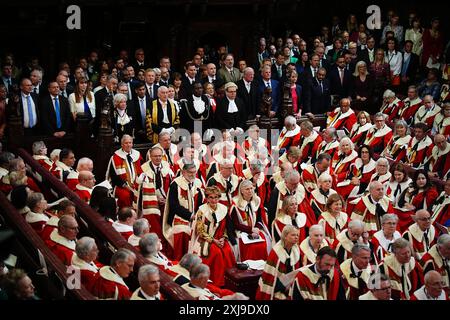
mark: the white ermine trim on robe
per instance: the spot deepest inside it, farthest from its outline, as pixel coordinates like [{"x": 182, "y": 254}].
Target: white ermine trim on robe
[{"x": 56, "y": 237}]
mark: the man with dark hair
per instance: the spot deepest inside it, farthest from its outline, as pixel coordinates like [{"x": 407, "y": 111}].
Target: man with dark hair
[
  {"x": 228, "y": 72},
  {"x": 410, "y": 65},
  {"x": 320, "y": 280},
  {"x": 125, "y": 220},
  {"x": 419, "y": 147},
  {"x": 140, "y": 104},
  {"x": 63, "y": 169},
  {"x": 187, "y": 80},
  {"x": 278, "y": 68}
]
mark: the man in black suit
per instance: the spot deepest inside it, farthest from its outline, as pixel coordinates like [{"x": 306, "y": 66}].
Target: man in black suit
[
  {"x": 140, "y": 104},
  {"x": 278, "y": 68},
  {"x": 187, "y": 80},
  {"x": 368, "y": 54},
  {"x": 310, "y": 72},
  {"x": 213, "y": 77},
  {"x": 323, "y": 62},
  {"x": 230, "y": 111},
  {"x": 340, "y": 79},
  {"x": 65, "y": 88},
  {"x": 7, "y": 77},
  {"x": 317, "y": 96},
  {"x": 151, "y": 86},
  {"x": 410, "y": 66},
  {"x": 36, "y": 80},
  {"x": 139, "y": 60},
  {"x": 29, "y": 108},
  {"x": 247, "y": 91},
  {"x": 56, "y": 118}
]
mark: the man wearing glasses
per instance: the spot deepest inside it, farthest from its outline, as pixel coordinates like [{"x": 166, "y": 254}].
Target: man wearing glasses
[
  {"x": 432, "y": 289},
  {"x": 422, "y": 234},
  {"x": 62, "y": 241},
  {"x": 380, "y": 288}
]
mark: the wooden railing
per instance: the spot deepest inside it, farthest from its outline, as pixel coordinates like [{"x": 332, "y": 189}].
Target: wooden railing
[
  {"x": 100, "y": 228},
  {"x": 33, "y": 246}
]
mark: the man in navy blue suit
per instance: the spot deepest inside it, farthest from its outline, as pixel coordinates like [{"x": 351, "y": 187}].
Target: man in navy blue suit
[
  {"x": 265, "y": 82},
  {"x": 317, "y": 94},
  {"x": 340, "y": 79}
]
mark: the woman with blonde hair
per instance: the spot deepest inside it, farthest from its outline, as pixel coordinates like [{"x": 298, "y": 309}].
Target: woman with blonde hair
[
  {"x": 361, "y": 88},
  {"x": 289, "y": 216},
  {"x": 360, "y": 128}
]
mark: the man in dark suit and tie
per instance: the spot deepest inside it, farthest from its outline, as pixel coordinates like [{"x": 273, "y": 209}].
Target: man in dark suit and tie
[
  {"x": 310, "y": 72},
  {"x": 212, "y": 76},
  {"x": 36, "y": 80},
  {"x": 7, "y": 77},
  {"x": 139, "y": 60},
  {"x": 410, "y": 66},
  {"x": 56, "y": 118},
  {"x": 278, "y": 68},
  {"x": 340, "y": 79},
  {"x": 29, "y": 108},
  {"x": 317, "y": 96},
  {"x": 265, "y": 82},
  {"x": 65, "y": 89},
  {"x": 188, "y": 80},
  {"x": 140, "y": 104},
  {"x": 151, "y": 86},
  {"x": 262, "y": 53},
  {"x": 248, "y": 92},
  {"x": 108, "y": 91}
]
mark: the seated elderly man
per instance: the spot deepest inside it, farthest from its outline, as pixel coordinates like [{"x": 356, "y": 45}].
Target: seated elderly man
[
  {"x": 419, "y": 147},
  {"x": 149, "y": 282},
  {"x": 226, "y": 181},
  {"x": 289, "y": 135},
  {"x": 150, "y": 247},
  {"x": 427, "y": 112},
  {"x": 379, "y": 286},
  {"x": 378, "y": 137},
  {"x": 18, "y": 166},
  {"x": 344, "y": 242},
  {"x": 343, "y": 117},
  {"x": 312, "y": 244},
  {"x": 199, "y": 276},
  {"x": 383, "y": 239},
  {"x": 422, "y": 235},
  {"x": 329, "y": 145},
  {"x": 405, "y": 272},
  {"x": 320, "y": 280},
  {"x": 432, "y": 289},
  {"x": 84, "y": 259},
  {"x": 371, "y": 207},
  {"x": 438, "y": 163},
  {"x": 62, "y": 241},
  {"x": 125, "y": 221},
  {"x": 36, "y": 217},
  {"x": 140, "y": 229},
  {"x": 170, "y": 149},
  {"x": 311, "y": 173},
  {"x": 65, "y": 207},
  {"x": 438, "y": 259},
  {"x": 290, "y": 186},
  {"x": 86, "y": 183},
  {"x": 391, "y": 105},
  {"x": 63, "y": 168},
  {"x": 109, "y": 283},
  {"x": 309, "y": 142},
  {"x": 356, "y": 271},
  {"x": 441, "y": 207},
  {"x": 278, "y": 176}
]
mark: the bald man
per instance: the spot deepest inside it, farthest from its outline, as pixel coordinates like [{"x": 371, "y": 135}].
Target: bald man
[
  {"x": 343, "y": 117},
  {"x": 62, "y": 241},
  {"x": 439, "y": 162},
  {"x": 432, "y": 289},
  {"x": 85, "y": 185},
  {"x": 422, "y": 235}
]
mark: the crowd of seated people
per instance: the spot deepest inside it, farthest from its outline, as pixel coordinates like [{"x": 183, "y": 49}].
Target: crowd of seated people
[{"x": 342, "y": 211}]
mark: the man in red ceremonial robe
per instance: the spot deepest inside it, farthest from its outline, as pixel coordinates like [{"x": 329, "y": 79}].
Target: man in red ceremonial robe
[
  {"x": 226, "y": 181},
  {"x": 356, "y": 271},
  {"x": 410, "y": 105},
  {"x": 84, "y": 259},
  {"x": 154, "y": 188},
  {"x": 440, "y": 211},
  {"x": 419, "y": 147},
  {"x": 309, "y": 142},
  {"x": 320, "y": 280},
  {"x": 126, "y": 217},
  {"x": 329, "y": 145},
  {"x": 391, "y": 105},
  {"x": 438, "y": 259},
  {"x": 124, "y": 171},
  {"x": 184, "y": 198},
  {"x": 289, "y": 135},
  {"x": 149, "y": 281},
  {"x": 109, "y": 283},
  {"x": 427, "y": 112},
  {"x": 66, "y": 207},
  {"x": 64, "y": 170},
  {"x": 405, "y": 272},
  {"x": 370, "y": 208},
  {"x": 86, "y": 182},
  {"x": 421, "y": 235},
  {"x": 311, "y": 173},
  {"x": 439, "y": 161},
  {"x": 62, "y": 241},
  {"x": 344, "y": 242},
  {"x": 379, "y": 135},
  {"x": 343, "y": 117}
]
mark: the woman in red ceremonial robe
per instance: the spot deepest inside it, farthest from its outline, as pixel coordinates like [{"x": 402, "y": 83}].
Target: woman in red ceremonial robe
[
  {"x": 289, "y": 135},
  {"x": 360, "y": 175},
  {"x": 36, "y": 217},
  {"x": 319, "y": 196},
  {"x": 420, "y": 195},
  {"x": 360, "y": 128},
  {"x": 333, "y": 220},
  {"x": 289, "y": 216},
  {"x": 399, "y": 182},
  {"x": 209, "y": 237},
  {"x": 342, "y": 163},
  {"x": 248, "y": 223},
  {"x": 397, "y": 146},
  {"x": 441, "y": 122},
  {"x": 283, "y": 259},
  {"x": 40, "y": 155}
]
